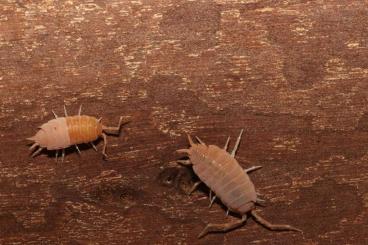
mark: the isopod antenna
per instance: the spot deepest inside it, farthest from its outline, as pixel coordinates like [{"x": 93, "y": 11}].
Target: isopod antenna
[{"x": 114, "y": 130}]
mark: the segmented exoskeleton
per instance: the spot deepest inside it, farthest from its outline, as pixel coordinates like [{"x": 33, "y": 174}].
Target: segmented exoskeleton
[
  {"x": 221, "y": 172},
  {"x": 63, "y": 132}
]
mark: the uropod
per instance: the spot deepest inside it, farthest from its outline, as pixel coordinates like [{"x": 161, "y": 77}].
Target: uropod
[
  {"x": 221, "y": 172},
  {"x": 63, "y": 132}
]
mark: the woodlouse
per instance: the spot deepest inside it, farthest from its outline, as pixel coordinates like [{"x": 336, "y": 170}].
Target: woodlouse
[
  {"x": 221, "y": 172},
  {"x": 63, "y": 132}
]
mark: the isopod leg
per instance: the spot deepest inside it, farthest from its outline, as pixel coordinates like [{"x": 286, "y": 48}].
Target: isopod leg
[
  {"x": 191, "y": 143},
  {"x": 184, "y": 162},
  {"x": 56, "y": 155},
  {"x": 62, "y": 155},
  {"x": 65, "y": 112},
  {"x": 222, "y": 227},
  {"x": 76, "y": 147},
  {"x": 113, "y": 130},
  {"x": 54, "y": 114},
  {"x": 194, "y": 187},
  {"x": 252, "y": 169},
  {"x": 37, "y": 152},
  {"x": 104, "y": 146},
  {"x": 94, "y": 147},
  {"x": 227, "y": 143},
  {"x": 260, "y": 202},
  {"x": 200, "y": 141},
  {"x": 183, "y": 151},
  {"x": 237, "y": 144},
  {"x": 272, "y": 227},
  {"x": 80, "y": 110},
  {"x": 212, "y": 201},
  {"x": 33, "y": 146}
]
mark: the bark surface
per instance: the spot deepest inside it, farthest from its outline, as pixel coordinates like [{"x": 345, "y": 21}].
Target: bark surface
[{"x": 292, "y": 73}]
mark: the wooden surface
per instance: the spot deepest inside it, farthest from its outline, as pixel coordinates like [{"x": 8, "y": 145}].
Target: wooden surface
[{"x": 293, "y": 74}]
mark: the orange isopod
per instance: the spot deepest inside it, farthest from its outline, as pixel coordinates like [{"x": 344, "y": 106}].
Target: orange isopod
[{"x": 63, "y": 132}]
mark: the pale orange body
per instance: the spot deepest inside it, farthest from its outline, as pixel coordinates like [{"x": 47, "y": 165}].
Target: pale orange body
[
  {"x": 83, "y": 129},
  {"x": 63, "y": 132},
  {"x": 221, "y": 172}
]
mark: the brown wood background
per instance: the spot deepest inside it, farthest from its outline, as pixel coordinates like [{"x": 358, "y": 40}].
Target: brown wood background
[{"x": 293, "y": 74}]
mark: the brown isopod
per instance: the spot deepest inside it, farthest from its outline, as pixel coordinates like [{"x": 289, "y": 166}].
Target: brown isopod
[
  {"x": 221, "y": 172},
  {"x": 63, "y": 132}
]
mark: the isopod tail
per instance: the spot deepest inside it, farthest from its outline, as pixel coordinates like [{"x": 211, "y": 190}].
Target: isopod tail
[
  {"x": 200, "y": 141},
  {"x": 273, "y": 227},
  {"x": 191, "y": 143},
  {"x": 33, "y": 146},
  {"x": 37, "y": 152},
  {"x": 34, "y": 143},
  {"x": 183, "y": 151},
  {"x": 31, "y": 138}
]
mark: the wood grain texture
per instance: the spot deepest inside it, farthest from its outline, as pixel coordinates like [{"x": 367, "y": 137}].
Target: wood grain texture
[{"x": 292, "y": 73}]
